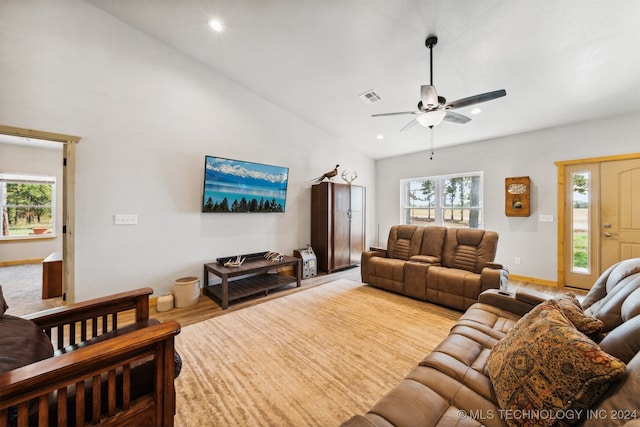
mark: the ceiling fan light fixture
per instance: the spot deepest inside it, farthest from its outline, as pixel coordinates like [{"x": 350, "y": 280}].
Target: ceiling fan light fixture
[{"x": 431, "y": 118}]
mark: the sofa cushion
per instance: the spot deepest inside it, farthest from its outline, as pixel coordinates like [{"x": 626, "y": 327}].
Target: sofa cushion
[
  {"x": 432, "y": 242},
  {"x": 604, "y": 299},
  {"x": 462, "y": 359},
  {"x": 619, "y": 405},
  {"x": 609, "y": 279},
  {"x": 404, "y": 241},
  {"x": 609, "y": 308},
  {"x": 469, "y": 249},
  {"x": 22, "y": 342},
  {"x": 624, "y": 341},
  {"x": 411, "y": 403},
  {"x": 631, "y": 305},
  {"x": 571, "y": 308},
  {"x": 489, "y": 319},
  {"x": 465, "y": 403},
  {"x": 387, "y": 273},
  {"x": 546, "y": 366},
  {"x": 453, "y": 287}
]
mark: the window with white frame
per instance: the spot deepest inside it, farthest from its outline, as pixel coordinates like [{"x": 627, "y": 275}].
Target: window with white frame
[
  {"x": 27, "y": 206},
  {"x": 447, "y": 200}
]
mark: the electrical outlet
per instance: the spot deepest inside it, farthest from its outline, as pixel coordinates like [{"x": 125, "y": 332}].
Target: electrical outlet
[
  {"x": 517, "y": 260},
  {"x": 125, "y": 219}
]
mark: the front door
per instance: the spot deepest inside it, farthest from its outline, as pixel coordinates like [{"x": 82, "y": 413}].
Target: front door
[
  {"x": 601, "y": 225},
  {"x": 620, "y": 211}
]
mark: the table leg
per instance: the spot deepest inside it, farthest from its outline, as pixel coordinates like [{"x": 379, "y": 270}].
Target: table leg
[
  {"x": 298, "y": 272},
  {"x": 225, "y": 292}
]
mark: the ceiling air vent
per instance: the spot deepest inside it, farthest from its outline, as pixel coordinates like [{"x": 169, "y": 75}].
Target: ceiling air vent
[{"x": 370, "y": 97}]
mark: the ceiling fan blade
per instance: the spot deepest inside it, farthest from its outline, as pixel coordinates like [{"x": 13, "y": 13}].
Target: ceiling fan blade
[
  {"x": 428, "y": 97},
  {"x": 456, "y": 118},
  {"x": 476, "y": 99},
  {"x": 409, "y": 125},
  {"x": 393, "y": 114}
]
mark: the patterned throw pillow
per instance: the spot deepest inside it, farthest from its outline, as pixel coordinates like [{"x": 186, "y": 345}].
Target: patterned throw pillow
[
  {"x": 544, "y": 372},
  {"x": 571, "y": 308}
]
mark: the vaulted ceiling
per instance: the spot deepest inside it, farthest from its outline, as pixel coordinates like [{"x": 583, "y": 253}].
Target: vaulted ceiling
[{"x": 560, "y": 62}]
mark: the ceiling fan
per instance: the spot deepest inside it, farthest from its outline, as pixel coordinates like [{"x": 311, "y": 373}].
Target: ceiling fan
[{"x": 432, "y": 109}]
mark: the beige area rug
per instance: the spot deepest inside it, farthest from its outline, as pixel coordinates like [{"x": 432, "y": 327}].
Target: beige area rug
[{"x": 313, "y": 358}]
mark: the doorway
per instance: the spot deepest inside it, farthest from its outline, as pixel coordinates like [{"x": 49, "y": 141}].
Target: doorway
[
  {"x": 598, "y": 220},
  {"x": 68, "y": 198}
]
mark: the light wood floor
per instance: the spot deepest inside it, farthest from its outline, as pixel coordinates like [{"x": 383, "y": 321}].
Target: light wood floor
[{"x": 207, "y": 308}]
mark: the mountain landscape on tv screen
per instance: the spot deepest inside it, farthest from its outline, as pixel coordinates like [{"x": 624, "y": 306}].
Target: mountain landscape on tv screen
[{"x": 239, "y": 186}]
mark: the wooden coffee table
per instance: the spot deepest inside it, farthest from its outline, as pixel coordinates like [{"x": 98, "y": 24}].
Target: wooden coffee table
[{"x": 256, "y": 278}]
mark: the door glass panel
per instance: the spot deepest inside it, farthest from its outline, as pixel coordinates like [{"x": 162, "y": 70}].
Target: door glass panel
[{"x": 581, "y": 263}]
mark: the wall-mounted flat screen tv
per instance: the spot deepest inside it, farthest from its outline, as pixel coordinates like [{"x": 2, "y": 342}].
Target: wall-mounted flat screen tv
[{"x": 238, "y": 186}]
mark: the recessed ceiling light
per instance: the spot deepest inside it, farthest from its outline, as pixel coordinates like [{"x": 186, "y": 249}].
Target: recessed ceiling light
[
  {"x": 380, "y": 136},
  {"x": 216, "y": 25},
  {"x": 476, "y": 111}
]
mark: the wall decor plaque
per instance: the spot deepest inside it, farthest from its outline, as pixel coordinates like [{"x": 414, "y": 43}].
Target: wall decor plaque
[{"x": 517, "y": 193}]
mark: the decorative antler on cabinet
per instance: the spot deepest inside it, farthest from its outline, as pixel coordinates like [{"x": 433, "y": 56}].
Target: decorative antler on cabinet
[{"x": 350, "y": 179}]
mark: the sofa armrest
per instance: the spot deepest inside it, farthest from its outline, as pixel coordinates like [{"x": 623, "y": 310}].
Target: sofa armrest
[
  {"x": 531, "y": 297},
  {"x": 364, "y": 261},
  {"x": 378, "y": 250},
  {"x": 426, "y": 259},
  {"x": 493, "y": 276},
  {"x": 358, "y": 421},
  {"x": 507, "y": 300},
  {"x": 495, "y": 265},
  {"x": 91, "y": 318},
  {"x": 69, "y": 372}
]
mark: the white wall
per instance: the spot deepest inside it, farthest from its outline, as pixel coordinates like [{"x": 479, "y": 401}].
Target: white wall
[
  {"x": 38, "y": 161},
  {"x": 147, "y": 116},
  {"x": 529, "y": 154}
]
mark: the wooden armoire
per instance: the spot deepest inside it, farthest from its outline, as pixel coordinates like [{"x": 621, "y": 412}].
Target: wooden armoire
[{"x": 337, "y": 224}]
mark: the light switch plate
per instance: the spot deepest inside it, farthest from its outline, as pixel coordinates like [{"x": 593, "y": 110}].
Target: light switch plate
[
  {"x": 546, "y": 218},
  {"x": 125, "y": 219}
]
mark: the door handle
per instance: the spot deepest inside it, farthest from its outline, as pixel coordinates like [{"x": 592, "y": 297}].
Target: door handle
[{"x": 606, "y": 234}]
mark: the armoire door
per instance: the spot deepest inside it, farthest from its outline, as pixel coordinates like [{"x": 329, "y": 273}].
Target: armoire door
[
  {"x": 357, "y": 217},
  {"x": 341, "y": 226}
]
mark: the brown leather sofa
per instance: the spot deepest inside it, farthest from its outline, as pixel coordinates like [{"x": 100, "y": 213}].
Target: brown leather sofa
[
  {"x": 462, "y": 382},
  {"x": 448, "y": 266}
]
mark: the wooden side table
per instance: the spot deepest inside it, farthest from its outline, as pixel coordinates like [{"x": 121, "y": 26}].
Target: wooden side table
[{"x": 52, "y": 276}]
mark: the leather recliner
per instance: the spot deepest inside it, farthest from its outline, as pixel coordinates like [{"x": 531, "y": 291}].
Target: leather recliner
[
  {"x": 452, "y": 385},
  {"x": 448, "y": 266}
]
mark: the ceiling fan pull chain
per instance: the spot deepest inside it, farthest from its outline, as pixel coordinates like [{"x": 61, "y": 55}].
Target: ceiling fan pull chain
[{"x": 431, "y": 156}]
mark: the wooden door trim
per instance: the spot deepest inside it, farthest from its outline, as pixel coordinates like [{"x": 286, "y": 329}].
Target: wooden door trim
[
  {"x": 68, "y": 198},
  {"x": 562, "y": 165}
]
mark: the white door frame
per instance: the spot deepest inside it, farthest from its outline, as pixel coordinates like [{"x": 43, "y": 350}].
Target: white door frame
[{"x": 68, "y": 199}]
